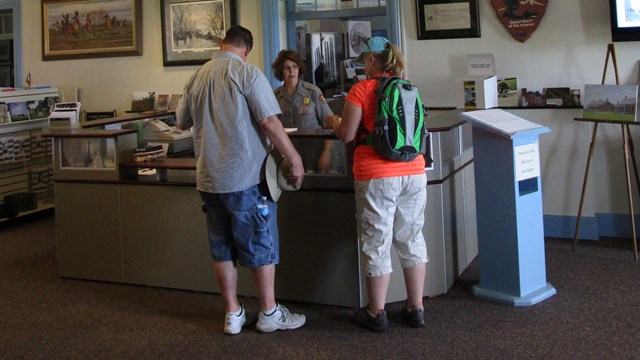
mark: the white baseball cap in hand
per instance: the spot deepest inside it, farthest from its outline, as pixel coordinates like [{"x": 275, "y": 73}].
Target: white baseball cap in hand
[{"x": 276, "y": 170}]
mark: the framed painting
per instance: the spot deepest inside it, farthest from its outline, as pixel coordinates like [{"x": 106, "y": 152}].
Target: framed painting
[
  {"x": 77, "y": 29},
  {"x": 447, "y": 19},
  {"x": 192, "y": 30}
]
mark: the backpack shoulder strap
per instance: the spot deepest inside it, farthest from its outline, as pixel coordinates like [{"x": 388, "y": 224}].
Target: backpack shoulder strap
[
  {"x": 383, "y": 82},
  {"x": 363, "y": 135}
]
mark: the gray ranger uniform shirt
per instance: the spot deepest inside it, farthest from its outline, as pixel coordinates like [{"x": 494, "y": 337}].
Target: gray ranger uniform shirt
[{"x": 305, "y": 109}]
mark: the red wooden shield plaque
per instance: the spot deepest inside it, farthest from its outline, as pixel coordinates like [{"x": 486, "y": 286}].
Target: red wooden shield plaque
[{"x": 520, "y": 17}]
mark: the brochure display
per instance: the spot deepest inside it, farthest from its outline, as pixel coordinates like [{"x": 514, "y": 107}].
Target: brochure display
[
  {"x": 25, "y": 155},
  {"x": 509, "y": 208}
]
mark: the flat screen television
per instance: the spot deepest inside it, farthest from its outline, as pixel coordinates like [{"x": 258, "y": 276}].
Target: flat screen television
[{"x": 625, "y": 20}]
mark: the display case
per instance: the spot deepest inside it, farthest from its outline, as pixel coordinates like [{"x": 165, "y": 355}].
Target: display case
[
  {"x": 337, "y": 174},
  {"x": 91, "y": 154},
  {"x": 86, "y": 181},
  {"x": 25, "y": 155}
]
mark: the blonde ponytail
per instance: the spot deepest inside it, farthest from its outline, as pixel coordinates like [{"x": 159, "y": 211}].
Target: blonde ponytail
[{"x": 391, "y": 60}]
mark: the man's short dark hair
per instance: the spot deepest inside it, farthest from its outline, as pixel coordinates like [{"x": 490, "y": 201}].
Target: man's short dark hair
[{"x": 239, "y": 37}]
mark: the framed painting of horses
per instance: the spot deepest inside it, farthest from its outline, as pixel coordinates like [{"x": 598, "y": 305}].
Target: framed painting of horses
[
  {"x": 192, "y": 31},
  {"x": 79, "y": 29}
]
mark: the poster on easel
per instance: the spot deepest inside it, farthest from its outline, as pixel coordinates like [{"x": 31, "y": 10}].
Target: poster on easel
[{"x": 611, "y": 102}]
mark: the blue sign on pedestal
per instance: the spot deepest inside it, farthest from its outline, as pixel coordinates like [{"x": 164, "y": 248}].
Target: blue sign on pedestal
[{"x": 509, "y": 208}]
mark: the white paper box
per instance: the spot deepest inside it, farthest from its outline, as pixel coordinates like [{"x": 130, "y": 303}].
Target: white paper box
[{"x": 487, "y": 93}]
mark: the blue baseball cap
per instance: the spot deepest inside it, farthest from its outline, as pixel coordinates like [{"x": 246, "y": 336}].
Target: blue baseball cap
[{"x": 373, "y": 45}]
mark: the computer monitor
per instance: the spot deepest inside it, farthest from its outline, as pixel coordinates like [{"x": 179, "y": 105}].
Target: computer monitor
[{"x": 625, "y": 20}]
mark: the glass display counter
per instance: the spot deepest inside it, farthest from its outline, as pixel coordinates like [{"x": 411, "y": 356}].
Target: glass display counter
[
  {"x": 81, "y": 154},
  {"x": 147, "y": 233},
  {"x": 310, "y": 144},
  {"x": 98, "y": 154}
]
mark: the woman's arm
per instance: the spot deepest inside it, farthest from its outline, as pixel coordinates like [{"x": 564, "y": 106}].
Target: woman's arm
[{"x": 347, "y": 129}]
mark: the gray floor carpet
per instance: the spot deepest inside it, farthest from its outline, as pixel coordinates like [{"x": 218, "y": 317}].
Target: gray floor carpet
[{"x": 594, "y": 315}]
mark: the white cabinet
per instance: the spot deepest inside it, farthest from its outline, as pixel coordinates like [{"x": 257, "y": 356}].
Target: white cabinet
[{"x": 25, "y": 156}]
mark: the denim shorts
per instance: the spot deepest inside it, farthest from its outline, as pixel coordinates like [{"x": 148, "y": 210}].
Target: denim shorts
[{"x": 237, "y": 231}]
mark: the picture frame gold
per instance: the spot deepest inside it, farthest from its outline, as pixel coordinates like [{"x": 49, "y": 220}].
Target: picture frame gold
[
  {"x": 80, "y": 29},
  {"x": 192, "y": 30},
  {"x": 447, "y": 19}
]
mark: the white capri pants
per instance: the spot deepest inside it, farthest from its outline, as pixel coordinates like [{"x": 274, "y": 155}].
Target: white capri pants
[{"x": 391, "y": 210}]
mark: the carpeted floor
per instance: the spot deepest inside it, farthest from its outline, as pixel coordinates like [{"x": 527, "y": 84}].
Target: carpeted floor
[{"x": 594, "y": 315}]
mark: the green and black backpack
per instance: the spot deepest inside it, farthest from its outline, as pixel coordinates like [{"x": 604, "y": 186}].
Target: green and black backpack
[{"x": 399, "y": 132}]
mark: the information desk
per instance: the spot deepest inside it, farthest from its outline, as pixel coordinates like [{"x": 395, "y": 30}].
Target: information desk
[{"x": 150, "y": 230}]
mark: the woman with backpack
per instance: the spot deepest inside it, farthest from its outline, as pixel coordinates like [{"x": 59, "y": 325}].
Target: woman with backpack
[{"x": 390, "y": 195}]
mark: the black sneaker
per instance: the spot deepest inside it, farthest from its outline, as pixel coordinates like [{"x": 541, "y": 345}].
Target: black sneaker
[
  {"x": 413, "y": 318},
  {"x": 378, "y": 323}
]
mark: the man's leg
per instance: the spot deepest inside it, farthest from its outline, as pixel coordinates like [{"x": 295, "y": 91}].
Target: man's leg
[
  {"x": 264, "y": 277},
  {"x": 227, "y": 275},
  {"x": 272, "y": 316}
]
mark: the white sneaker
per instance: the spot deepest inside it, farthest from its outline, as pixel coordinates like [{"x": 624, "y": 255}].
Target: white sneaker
[
  {"x": 233, "y": 323},
  {"x": 280, "y": 319}
]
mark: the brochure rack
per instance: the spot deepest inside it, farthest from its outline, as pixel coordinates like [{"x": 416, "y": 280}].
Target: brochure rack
[{"x": 25, "y": 155}]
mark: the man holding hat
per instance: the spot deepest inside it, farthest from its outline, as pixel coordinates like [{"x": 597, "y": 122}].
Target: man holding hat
[{"x": 233, "y": 112}]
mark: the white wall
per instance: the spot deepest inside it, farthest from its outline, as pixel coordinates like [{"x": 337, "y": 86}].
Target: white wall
[
  {"x": 568, "y": 49},
  {"x": 107, "y": 83}
]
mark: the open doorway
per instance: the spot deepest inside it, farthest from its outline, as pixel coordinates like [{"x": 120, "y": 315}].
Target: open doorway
[
  {"x": 10, "y": 46},
  {"x": 7, "y": 76}
]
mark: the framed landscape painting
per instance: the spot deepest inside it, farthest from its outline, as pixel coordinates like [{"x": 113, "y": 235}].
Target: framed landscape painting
[
  {"x": 77, "y": 29},
  {"x": 192, "y": 31}
]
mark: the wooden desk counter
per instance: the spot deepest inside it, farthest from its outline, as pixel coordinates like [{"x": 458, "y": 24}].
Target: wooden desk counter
[{"x": 168, "y": 163}]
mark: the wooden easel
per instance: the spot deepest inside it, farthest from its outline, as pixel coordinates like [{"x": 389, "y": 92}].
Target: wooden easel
[{"x": 628, "y": 148}]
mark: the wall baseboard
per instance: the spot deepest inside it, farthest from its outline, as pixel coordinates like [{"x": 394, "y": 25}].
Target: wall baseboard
[{"x": 591, "y": 228}]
